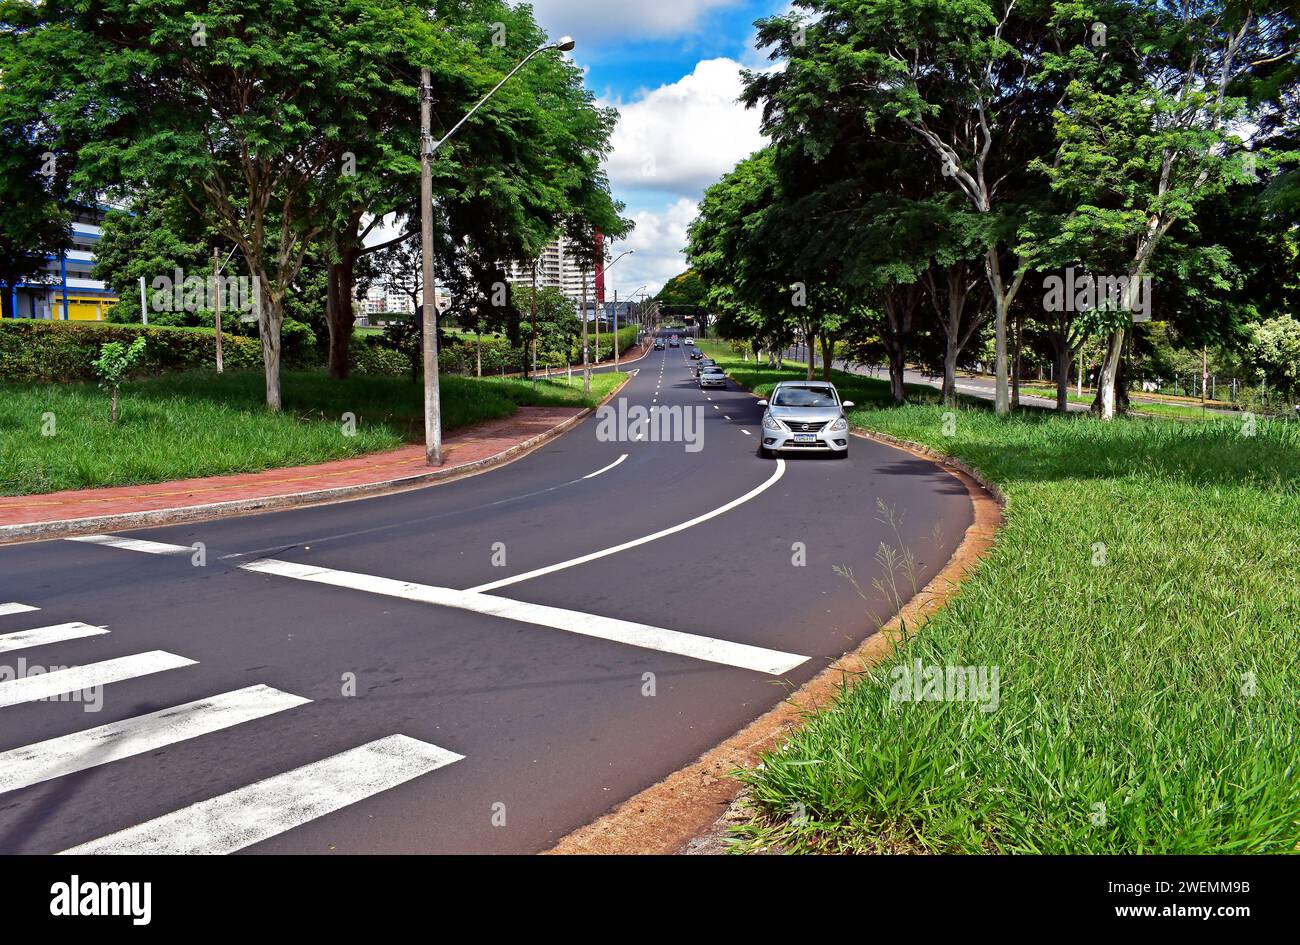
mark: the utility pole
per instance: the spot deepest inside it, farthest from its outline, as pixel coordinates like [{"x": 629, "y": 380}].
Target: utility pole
[
  {"x": 586, "y": 365},
  {"x": 534, "y": 306},
  {"x": 432, "y": 407},
  {"x": 144, "y": 305},
  {"x": 216, "y": 301}
]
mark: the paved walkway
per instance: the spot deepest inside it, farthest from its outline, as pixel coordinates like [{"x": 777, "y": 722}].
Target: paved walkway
[{"x": 461, "y": 448}]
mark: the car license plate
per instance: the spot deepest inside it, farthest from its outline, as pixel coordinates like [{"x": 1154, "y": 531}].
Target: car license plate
[{"x": 805, "y": 438}]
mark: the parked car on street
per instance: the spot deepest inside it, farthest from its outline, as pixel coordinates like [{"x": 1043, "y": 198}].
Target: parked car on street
[
  {"x": 696, "y": 354},
  {"x": 805, "y": 415}
]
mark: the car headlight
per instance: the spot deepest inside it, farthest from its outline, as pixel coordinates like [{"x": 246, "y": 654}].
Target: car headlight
[
  {"x": 839, "y": 425},
  {"x": 771, "y": 423}
]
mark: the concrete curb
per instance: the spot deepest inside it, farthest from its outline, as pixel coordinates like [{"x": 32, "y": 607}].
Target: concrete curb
[
  {"x": 690, "y": 803},
  {"x": 153, "y": 518}
]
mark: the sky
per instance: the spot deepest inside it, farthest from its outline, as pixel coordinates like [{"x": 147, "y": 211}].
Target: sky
[{"x": 672, "y": 68}]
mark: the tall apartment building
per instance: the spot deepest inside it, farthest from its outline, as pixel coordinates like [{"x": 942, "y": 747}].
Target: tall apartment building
[
  {"x": 65, "y": 290},
  {"x": 558, "y": 268}
]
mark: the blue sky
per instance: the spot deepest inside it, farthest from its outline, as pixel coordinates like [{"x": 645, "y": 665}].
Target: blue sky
[{"x": 672, "y": 69}]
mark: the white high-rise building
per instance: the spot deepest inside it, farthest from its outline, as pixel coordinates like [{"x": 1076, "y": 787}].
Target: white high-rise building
[{"x": 558, "y": 268}]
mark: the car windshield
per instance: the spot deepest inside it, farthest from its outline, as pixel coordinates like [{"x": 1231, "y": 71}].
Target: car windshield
[
  {"x": 710, "y": 369},
  {"x": 805, "y": 397}
]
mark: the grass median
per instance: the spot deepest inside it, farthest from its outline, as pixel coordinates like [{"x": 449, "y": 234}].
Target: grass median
[
  {"x": 1142, "y": 608},
  {"x": 176, "y": 426}
]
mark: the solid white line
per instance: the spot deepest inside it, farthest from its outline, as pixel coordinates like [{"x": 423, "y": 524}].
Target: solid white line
[
  {"x": 606, "y": 468},
  {"x": 78, "y": 678},
  {"x": 135, "y": 544},
  {"x": 15, "y": 608},
  {"x": 648, "y": 637},
  {"x": 39, "y": 636},
  {"x": 254, "y": 813},
  {"x": 56, "y": 757},
  {"x": 583, "y": 559},
  {"x": 746, "y": 432}
]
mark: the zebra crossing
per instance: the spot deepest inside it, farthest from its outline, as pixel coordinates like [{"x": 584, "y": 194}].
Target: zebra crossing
[{"x": 223, "y": 824}]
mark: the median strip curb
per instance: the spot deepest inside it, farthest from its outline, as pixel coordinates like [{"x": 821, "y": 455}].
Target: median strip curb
[
  {"x": 689, "y": 804},
  {"x": 153, "y": 518}
]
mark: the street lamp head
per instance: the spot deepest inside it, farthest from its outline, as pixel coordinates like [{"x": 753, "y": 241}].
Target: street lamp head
[{"x": 564, "y": 44}]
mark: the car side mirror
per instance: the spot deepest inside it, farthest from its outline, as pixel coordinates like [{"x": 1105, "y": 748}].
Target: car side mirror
[
  {"x": 847, "y": 404},
  {"x": 762, "y": 403}
]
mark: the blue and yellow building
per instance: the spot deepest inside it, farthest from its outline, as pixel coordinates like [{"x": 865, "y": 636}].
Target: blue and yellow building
[{"x": 66, "y": 290}]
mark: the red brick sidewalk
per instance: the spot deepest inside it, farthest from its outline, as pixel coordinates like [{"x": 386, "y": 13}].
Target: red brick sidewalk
[{"x": 465, "y": 448}]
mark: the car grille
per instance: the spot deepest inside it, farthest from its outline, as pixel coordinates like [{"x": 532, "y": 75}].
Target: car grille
[{"x": 799, "y": 426}]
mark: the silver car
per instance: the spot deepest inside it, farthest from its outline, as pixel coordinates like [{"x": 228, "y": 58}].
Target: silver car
[
  {"x": 805, "y": 416},
  {"x": 712, "y": 376}
]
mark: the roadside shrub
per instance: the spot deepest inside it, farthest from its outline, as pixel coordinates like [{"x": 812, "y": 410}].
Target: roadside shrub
[{"x": 40, "y": 350}]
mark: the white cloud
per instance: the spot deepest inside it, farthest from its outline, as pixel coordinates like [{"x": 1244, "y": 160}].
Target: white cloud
[
  {"x": 658, "y": 241},
  {"x": 624, "y": 19},
  {"x": 683, "y": 136}
]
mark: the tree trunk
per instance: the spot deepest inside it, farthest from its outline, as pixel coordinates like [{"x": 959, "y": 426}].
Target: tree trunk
[
  {"x": 828, "y": 355},
  {"x": 1104, "y": 403},
  {"x": 951, "y": 350},
  {"x": 897, "y": 365},
  {"x": 478, "y": 352},
  {"x": 1063, "y": 363},
  {"x": 338, "y": 312},
  {"x": 112, "y": 410},
  {"x": 269, "y": 321},
  {"x": 1002, "y": 402}
]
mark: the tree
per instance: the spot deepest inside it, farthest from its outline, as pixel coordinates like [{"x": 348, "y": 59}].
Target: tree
[
  {"x": 114, "y": 361},
  {"x": 154, "y": 238},
  {"x": 33, "y": 182},
  {"x": 1136, "y": 157},
  {"x": 959, "y": 84}
]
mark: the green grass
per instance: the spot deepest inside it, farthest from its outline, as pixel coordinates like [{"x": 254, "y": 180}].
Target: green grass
[
  {"x": 1153, "y": 408},
  {"x": 202, "y": 424},
  {"x": 1157, "y": 688}
]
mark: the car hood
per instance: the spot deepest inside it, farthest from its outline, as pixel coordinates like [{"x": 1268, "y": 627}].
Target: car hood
[{"x": 806, "y": 414}]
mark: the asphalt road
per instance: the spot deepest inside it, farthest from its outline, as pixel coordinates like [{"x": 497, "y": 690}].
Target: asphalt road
[{"x": 387, "y": 675}]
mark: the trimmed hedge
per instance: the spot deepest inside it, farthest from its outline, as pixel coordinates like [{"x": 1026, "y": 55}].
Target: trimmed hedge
[{"x": 48, "y": 350}]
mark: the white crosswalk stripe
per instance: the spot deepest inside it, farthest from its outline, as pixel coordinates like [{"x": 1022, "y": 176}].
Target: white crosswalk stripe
[
  {"x": 77, "y": 678},
  {"x": 135, "y": 544},
  {"x": 14, "y": 607},
  {"x": 55, "y": 633},
  {"x": 56, "y": 757},
  {"x": 649, "y": 637},
  {"x": 251, "y": 814}
]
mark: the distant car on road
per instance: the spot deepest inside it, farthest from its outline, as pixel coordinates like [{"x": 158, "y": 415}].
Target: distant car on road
[
  {"x": 712, "y": 377},
  {"x": 689, "y": 342},
  {"x": 674, "y": 343},
  {"x": 702, "y": 363},
  {"x": 805, "y": 415},
  {"x": 659, "y": 344},
  {"x": 696, "y": 354}
]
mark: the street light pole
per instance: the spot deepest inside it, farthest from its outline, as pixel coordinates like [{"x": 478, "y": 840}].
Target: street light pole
[{"x": 429, "y": 322}]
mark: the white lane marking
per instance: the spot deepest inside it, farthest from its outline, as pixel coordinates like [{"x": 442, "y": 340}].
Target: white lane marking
[
  {"x": 648, "y": 637},
  {"x": 254, "y": 813},
  {"x": 56, "y": 757},
  {"x": 77, "y": 678},
  {"x": 13, "y": 607},
  {"x": 39, "y": 636},
  {"x": 605, "y": 468},
  {"x": 725, "y": 417},
  {"x": 135, "y": 544},
  {"x": 746, "y": 432},
  {"x": 672, "y": 530}
]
